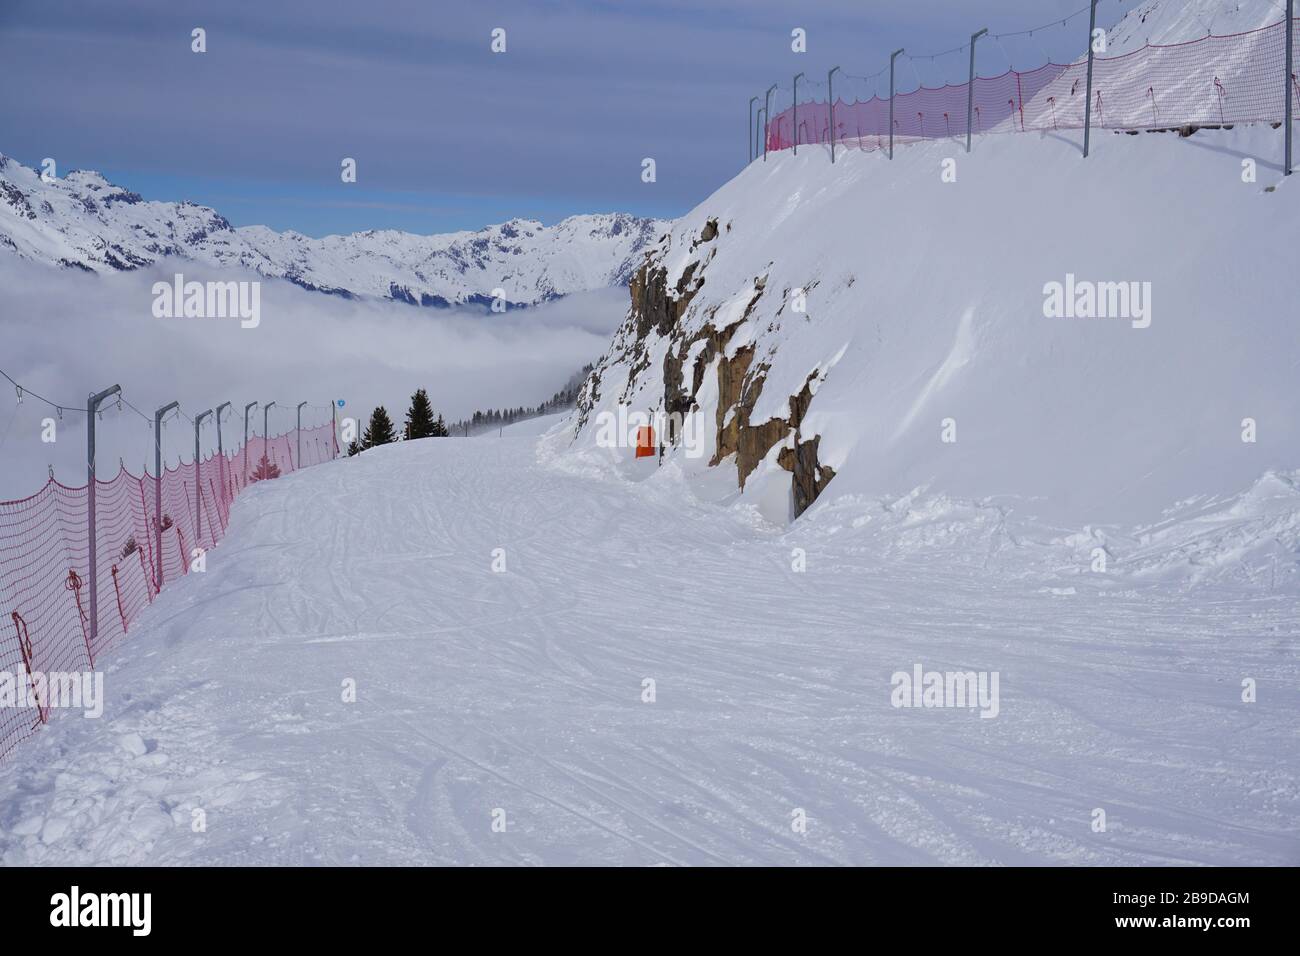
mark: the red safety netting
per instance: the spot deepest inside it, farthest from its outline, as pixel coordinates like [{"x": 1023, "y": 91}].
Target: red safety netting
[
  {"x": 1213, "y": 81},
  {"x": 45, "y": 556}
]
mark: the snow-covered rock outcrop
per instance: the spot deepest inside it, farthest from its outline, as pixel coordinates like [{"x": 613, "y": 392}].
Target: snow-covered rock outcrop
[
  {"x": 924, "y": 357},
  {"x": 888, "y": 322}
]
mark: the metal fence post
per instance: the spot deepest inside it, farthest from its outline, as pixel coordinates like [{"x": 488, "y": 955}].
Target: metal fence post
[
  {"x": 247, "y": 408},
  {"x": 221, "y": 453},
  {"x": 299, "y": 433},
  {"x": 892, "y": 57},
  {"x": 157, "y": 489},
  {"x": 334, "y": 422},
  {"x": 970, "y": 89},
  {"x": 1087, "y": 106},
  {"x": 266, "y": 435},
  {"x": 830, "y": 96},
  {"x": 767, "y": 116},
  {"x": 92, "y": 408},
  {"x": 198, "y": 483},
  {"x": 749, "y": 133},
  {"x": 795, "y": 99},
  {"x": 1287, "y": 80}
]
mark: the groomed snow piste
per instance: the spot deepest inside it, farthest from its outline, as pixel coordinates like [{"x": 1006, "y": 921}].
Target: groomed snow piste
[{"x": 521, "y": 691}]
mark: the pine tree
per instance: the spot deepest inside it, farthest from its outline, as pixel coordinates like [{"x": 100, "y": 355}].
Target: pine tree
[
  {"x": 380, "y": 430},
  {"x": 439, "y": 429},
  {"x": 419, "y": 417},
  {"x": 265, "y": 470},
  {"x": 354, "y": 448}
]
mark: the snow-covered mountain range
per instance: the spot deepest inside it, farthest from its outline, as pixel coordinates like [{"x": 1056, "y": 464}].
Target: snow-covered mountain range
[{"x": 83, "y": 221}]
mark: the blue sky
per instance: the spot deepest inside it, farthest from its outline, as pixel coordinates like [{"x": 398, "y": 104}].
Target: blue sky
[{"x": 446, "y": 134}]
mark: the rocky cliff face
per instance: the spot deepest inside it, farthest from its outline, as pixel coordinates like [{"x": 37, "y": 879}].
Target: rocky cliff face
[{"x": 682, "y": 352}]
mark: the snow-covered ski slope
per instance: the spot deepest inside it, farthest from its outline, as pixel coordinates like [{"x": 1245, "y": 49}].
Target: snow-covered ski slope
[
  {"x": 1180, "y": 21},
  {"x": 522, "y": 691}
]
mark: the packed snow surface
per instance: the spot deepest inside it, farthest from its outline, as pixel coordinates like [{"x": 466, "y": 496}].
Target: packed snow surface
[{"x": 517, "y": 694}]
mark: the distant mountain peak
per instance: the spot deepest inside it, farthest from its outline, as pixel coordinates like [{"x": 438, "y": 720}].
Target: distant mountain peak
[{"x": 84, "y": 221}]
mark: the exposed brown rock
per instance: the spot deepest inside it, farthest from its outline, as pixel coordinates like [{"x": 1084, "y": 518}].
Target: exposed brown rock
[
  {"x": 707, "y": 234},
  {"x": 810, "y": 478},
  {"x": 657, "y": 308}
]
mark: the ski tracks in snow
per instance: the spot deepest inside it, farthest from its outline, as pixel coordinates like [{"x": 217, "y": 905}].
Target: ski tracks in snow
[{"x": 486, "y": 696}]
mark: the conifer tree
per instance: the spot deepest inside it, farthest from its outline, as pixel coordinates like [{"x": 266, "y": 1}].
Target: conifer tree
[
  {"x": 419, "y": 417},
  {"x": 380, "y": 430},
  {"x": 265, "y": 470},
  {"x": 439, "y": 428}
]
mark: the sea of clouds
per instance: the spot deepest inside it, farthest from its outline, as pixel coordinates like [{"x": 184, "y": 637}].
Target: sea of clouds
[{"x": 64, "y": 334}]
